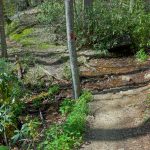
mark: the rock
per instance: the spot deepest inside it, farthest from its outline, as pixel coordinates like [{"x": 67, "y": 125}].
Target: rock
[
  {"x": 147, "y": 76},
  {"x": 126, "y": 78},
  {"x": 82, "y": 60}
]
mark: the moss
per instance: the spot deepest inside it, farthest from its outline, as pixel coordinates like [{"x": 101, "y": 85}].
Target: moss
[
  {"x": 28, "y": 42},
  {"x": 27, "y": 39},
  {"x": 27, "y": 32},
  {"x": 23, "y": 34},
  {"x": 15, "y": 37},
  {"x": 43, "y": 46}
]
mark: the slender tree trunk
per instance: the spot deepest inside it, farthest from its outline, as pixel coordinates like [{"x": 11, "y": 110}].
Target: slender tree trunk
[
  {"x": 2, "y": 31},
  {"x": 71, "y": 47}
]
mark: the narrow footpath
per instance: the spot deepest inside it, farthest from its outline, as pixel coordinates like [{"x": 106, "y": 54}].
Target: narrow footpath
[{"x": 118, "y": 121}]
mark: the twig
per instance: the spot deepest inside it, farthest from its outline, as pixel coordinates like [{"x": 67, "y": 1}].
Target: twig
[{"x": 42, "y": 118}]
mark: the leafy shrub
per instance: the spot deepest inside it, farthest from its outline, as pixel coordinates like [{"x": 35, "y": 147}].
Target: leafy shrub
[
  {"x": 69, "y": 134},
  {"x": 28, "y": 133},
  {"x": 10, "y": 89},
  {"x": 7, "y": 123},
  {"x": 53, "y": 15},
  {"x": 10, "y": 104},
  {"x": 51, "y": 11},
  {"x": 105, "y": 26}
]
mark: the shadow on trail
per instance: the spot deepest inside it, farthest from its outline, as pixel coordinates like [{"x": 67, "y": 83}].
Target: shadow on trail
[
  {"x": 120, "y": 134},
  {"x": 59, "y": 61},
  {"x": 39, "y": 57}
]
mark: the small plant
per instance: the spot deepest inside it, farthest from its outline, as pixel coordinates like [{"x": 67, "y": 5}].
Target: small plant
[
  {"x": 7, "y": 123},
  {"x": 67, "y": 106},
  {"x": 28, "y": 134},
  {"x": 53, "y": 90},
  {"x": 141, "y": 55}
]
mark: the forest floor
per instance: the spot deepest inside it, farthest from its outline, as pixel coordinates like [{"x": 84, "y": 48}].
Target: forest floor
[{"x": 119, "y": 113}]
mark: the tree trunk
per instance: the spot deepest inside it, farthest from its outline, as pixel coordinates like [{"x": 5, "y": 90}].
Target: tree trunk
[
  {"x": 2, "y": 31},
  {"x": 71, "y": 47}
]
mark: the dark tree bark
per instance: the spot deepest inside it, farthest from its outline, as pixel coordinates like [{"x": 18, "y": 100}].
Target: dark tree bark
[
  {"x": 2, "y": 32},
  {"x": 71, "y": 47}
]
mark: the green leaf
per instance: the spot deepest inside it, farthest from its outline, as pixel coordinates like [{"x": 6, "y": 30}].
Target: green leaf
[{"x": 3, "y": 147}]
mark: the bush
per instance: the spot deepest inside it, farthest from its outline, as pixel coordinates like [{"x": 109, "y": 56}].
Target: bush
[
  {"x": 10, "y": 104},
  {"x": 107, "y": 25},
  {"x": 28, "y": 134}
]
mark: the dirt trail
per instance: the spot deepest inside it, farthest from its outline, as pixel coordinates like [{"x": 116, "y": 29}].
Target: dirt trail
[{"x": 116, "y": 122}]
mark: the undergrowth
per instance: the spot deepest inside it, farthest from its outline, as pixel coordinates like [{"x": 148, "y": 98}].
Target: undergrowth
[
  {"x": 106, "y": 25},
  {"x": 69, "y": 134}
]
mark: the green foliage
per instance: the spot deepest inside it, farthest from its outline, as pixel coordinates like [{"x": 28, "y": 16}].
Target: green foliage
[
  {"x": 141, "y": 55},
  {"x": 7, "y": 122},
  {"x": 3, "y": 147},
  {"x": 18, "y": 37},
  {"x": 10, "y": 89},
  {"x": 28, "y": 60},
  {"x": 69, "y": 134},
  {"x": 54, "y": 89},
  {"x": 113, "y": 24},
  {"x": 28, "y": 133},
  {"x": 5, "y": 67},
  {"x": 51, "y": 11},
  {"x": 10, "y": 104},
  {"x": 104, "y": 26},
  {"x": 9, "y": 7},
  {"x": 10, "y": 28},
  {"x": 43, "y": 46},
  {"x": 67, "y": 106}
]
